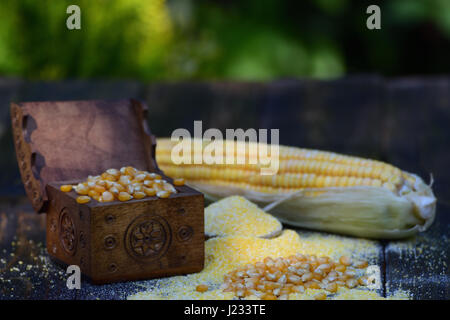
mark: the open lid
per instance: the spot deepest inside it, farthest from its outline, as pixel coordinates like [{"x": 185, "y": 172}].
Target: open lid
[{"x": 69, "y": 140}]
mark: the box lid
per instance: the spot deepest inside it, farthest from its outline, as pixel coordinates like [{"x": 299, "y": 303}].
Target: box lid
[{"x": 69, "y": 140}]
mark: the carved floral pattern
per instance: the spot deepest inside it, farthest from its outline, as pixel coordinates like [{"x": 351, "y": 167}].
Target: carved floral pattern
[
  {"x": 148, "y": 238},
  {"x": 67, "y": 233}
]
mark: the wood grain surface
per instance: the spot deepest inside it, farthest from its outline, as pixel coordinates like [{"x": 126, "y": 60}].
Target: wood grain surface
[{"x": 67, "y": 140}]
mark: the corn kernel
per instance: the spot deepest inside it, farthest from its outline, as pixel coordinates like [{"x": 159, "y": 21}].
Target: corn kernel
[
  {"x": 107, "y": 196},
  {"x": 169, "y": 187},
  {"x": 81, "y": 189},
  {"x": 320, "y": 296},
  {"x": 109, "y": 177},
  {"x": 119, "y": 187},
  {"x": 163, "y": 194},
  {"x": 139, "y": 195},
  {"x": 150, "y": 192},
  {"x": 93, "y": 193},
  {"x": 140, "y": 177},
  {"x": 202, "y": 288},
  {"x": 130, "y": 189},
  {"x": 340, "y": 268},
  {"x": 99, "y": 189},
  {"x": 101, "y": 183},
  {"x": 124, "y": 196},
  {"x": 124, "y": 180},
  {"x": 83, "y": 199},
  {"x": 361, "y": 264},
  {"x": 332, "y": 287},
  {"x": 66, "y": 188},
  {"x": 154, "y": 176},
  {"x": 114, "y": 190},
  {"x": 346, "y": 261},
  {"x": 148, "y": 183},
  {"x": 130, "y": 171},
  {"x": 113, "y": 172},
  {"x": 178, "y": 181}
]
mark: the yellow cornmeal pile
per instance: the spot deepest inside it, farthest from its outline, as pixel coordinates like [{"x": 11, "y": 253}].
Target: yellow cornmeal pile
[
  {"x": 225, "y": 254},
  {"x": 237, "y": 216},
  {"x": 239, "y": 223}
]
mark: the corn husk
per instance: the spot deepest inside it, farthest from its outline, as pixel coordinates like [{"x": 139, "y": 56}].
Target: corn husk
[
  {"x": 361, "y": 211},
  {"x": 396, "y": 208}
]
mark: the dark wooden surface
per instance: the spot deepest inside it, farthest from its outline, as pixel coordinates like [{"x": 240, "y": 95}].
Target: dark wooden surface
[
  {"x": 401, "y": 121},
  {"x": 418, "y": 266}
]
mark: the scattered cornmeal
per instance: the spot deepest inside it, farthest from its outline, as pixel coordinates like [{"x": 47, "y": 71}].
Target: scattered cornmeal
[
  {"x": 123, "y": 185},
  {"x": 225, "y": 254},
  {"x": 202, "y": 288},
  {"x": 237, "y": 216}
]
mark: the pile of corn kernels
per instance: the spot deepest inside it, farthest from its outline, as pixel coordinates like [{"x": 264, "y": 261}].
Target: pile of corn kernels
[
  {"x": 273, "y": 279},
  {"x": 123, "y": 185},
  {"x": 225, "y": 254}
]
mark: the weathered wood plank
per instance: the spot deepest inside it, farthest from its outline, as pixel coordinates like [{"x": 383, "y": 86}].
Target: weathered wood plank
[
  {"x": 217, "y": 105},
  {"x": 80, "y": 90},
  {"x": 114, "y": 291},
  {"x": 418, "y": 129},
  {"x": 345, "y": 115},
  {"x": 10, "y": 182},
  {"x": 420, "y": 266}
]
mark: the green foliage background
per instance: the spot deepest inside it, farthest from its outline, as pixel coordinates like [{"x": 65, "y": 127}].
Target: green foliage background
[{"x": 239, "y": 40}]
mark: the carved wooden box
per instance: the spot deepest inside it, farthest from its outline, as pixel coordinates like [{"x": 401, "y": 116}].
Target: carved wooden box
[{"x": 64, "y": 142}]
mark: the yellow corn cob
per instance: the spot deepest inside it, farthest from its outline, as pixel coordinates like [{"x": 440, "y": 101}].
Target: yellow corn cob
[{"x": 317, "y": 189}]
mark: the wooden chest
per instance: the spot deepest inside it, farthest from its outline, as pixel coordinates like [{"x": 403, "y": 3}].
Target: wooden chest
[{"x": 64, "y": 142}]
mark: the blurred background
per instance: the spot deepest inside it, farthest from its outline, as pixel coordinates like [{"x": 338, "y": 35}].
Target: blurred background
[
  {"x": 310, "y": 68},
  {"x": 222, "y": 39}
]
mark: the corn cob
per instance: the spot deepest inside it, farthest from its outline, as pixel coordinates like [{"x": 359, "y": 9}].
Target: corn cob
[{"x": 317, "y": 190}]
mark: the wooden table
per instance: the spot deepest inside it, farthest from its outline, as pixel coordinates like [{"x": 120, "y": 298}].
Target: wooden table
[
  {"x": 402, "y": 121},
  {"x": 419, "y": 265}
]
